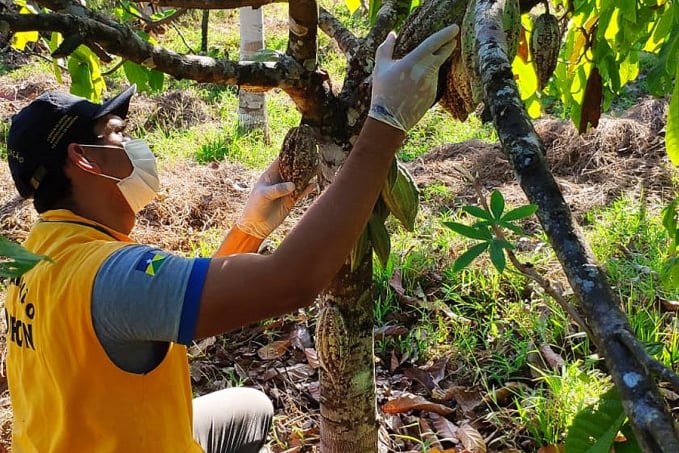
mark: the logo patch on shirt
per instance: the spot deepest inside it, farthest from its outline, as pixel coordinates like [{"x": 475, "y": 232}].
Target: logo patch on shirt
[{"x": 150, "y": 263}]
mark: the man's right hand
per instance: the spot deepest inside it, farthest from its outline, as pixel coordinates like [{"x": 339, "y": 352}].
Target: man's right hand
[{"x": 403, "y": 90}]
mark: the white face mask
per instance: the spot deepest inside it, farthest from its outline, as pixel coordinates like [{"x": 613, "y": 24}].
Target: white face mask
[{"x": 141, "y": 186}]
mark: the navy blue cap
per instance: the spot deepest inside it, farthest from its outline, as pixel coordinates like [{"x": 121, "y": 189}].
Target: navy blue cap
[{"x": 41, "y": 132}]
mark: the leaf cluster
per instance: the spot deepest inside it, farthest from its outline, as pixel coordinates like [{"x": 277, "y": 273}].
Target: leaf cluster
[
  {"x": 485, "y": 230},
  {"x": 15, "y": 260}
]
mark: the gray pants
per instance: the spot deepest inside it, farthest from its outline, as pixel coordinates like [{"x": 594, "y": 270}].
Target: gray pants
[{"x": 233, "y": 420}]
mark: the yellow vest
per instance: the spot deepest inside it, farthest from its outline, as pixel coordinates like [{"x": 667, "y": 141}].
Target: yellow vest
[{"x": 67, "y": 395}]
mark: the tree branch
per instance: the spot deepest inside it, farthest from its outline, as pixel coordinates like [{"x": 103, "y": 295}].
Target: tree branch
[
  {"x": 216, "y": 4},
  {"x": 653, "y": 426},
  {"x": 303, "y": 32},
  {"x": 122, "y": 41},
  {"x": 332, "y": 27}
]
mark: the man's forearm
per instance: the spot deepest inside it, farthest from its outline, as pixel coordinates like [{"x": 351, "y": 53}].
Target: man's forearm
[{"x": 237, "y": 241}]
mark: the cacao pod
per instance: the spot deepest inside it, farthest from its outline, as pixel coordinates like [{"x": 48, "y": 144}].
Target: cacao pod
[
  {"x": 298, "y": 159},
  {"x": 511, "y": 23},
  {"x": 545, "y": 42},
  {"x": 428, "y": 18},
  {"x": 469, "y": 51}
]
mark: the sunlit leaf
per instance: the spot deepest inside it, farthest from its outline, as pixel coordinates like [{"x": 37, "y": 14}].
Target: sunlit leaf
[
  {"x": 353, "y": 5},
  {"x": 526, "y": 78},
  {"x": 672, "y": 127},
  {"x": 54, "y": 42},
  {"x": 22, "y": 38}
]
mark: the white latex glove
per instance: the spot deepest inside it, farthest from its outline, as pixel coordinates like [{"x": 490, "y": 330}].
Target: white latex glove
[
  {"x": 269, "y": 203},
  {"x": 403, "y": 90}
]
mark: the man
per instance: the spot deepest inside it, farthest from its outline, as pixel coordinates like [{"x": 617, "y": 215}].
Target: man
[{"x": 96, "y": 341}]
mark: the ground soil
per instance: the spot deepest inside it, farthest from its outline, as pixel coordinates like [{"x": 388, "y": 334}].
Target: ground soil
[{"x": 625, "y": 154}]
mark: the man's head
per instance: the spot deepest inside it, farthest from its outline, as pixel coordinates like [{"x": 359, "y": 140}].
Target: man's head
[{"x": 40, "y": 133}]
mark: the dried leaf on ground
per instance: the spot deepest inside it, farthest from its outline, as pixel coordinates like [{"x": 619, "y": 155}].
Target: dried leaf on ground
[
  {"x": 446, "y": 429},
  {"x": 471, "y": 438},
  {"x": 274, "y": 350},
  {"x": 408, "y": 402}
]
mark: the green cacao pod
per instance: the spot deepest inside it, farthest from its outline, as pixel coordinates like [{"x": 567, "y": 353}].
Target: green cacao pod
[
  {"x": 545, "y": 42},
  {"x": 511, "y": 22},
  {"x": 298, "y": 159}
]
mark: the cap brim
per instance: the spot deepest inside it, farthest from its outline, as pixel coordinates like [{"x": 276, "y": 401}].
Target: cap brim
[{"x": 118, "y": 105}]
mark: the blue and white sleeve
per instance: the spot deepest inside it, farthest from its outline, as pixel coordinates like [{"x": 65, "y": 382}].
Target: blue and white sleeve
[{"x": 142, "y": 293}]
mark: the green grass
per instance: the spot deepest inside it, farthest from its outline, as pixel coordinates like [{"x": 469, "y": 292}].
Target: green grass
[{"x": 548, "y": 410}]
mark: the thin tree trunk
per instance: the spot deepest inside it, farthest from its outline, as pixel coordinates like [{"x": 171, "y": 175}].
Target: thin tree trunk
[
  {"x": 252, "y": 105},
  {"x": 345, "y": 348},
  {"x": 204, "y": 24}
]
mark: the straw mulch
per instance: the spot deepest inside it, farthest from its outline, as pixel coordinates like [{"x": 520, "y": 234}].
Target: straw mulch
[{"x": 622, "y": 154}]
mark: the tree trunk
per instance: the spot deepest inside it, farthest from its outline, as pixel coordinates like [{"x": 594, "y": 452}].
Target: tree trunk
[
  {"x": 252, "y": 105},
  {"x": 344, "y": 339},
  {"x": 204, "y": 23}
]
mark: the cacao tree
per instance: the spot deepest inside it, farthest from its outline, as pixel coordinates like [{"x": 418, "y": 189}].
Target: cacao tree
[{"x": 503, "y": 63}]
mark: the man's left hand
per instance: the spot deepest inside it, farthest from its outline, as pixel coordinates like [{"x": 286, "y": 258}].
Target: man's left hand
[{"x": 269, "y": 203}]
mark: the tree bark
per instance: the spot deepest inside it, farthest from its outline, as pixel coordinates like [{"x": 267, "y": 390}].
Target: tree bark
[
  {"x": 625, "y": 357},
  {"x": 347, "y": 379},
  {"x": 252, "y": 113}
]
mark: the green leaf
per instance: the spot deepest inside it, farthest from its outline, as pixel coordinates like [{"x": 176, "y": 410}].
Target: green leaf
[
  {"x": 670, "y": 273},
  {"x": 520, "y": 212},
  {"x": 478, "y": 212},
  {"x": 86, "y": 78},
  {"x": 595, "y": 427},
  {"x": 654, "y": 348},
  {"x": 470, "y": 232},
  {"x": 497, "y": 256},
  {"x": 360, "y": 249},
  {"x": 137, "y": 74},
  {"x": 18, "y": 260},
  {"x": 22, "y": 38},
  {"x": 510, "y": 226},
  {"x": 669, "y": 220},
  {"x": 53, "y": 43},
  {"x": 379, "y": 237},
  {"x": 401, "y": 196},
  {"x": 497, "y": 204},
  {"x": 504, "y": 244},
  {"x": 156, "y": 79},
  {"x": 672, "y": 131},
  {"x": 470, "y": 255}
]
